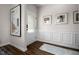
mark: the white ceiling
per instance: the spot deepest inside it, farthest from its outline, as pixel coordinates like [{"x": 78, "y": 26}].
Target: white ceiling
[{"x": 39, "y": 5}]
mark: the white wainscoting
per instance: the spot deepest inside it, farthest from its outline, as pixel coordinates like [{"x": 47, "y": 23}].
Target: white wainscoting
[
  {"x": 77, "y": 38},
  {"x": 57, "y": 36},
  {"x": 70, "y": 39}
]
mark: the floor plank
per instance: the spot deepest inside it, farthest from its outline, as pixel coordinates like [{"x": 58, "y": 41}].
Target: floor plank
[
  {"x": 33, "y": 49},
  {"x": 14, "y": 50}
]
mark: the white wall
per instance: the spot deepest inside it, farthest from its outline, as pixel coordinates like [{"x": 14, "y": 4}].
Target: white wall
[
  {"x": 19, "y": 42},
  {"x": 4, "y": 24},
  {"x": 53, "y": 10},
  {"x": 26, "y": 38},
  {"x": 62, "y": 34},
  {"x": 31, "y": 10}
]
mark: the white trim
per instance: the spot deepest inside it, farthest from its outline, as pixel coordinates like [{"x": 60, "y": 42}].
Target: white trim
[
  {"x": 4, "y": 44},
  {"x": 21, "y": 48},
  {"x": 61, "y": 44}
]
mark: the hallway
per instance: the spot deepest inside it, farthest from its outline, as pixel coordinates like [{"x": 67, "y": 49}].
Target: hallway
[{"x": 28, "y": 27}]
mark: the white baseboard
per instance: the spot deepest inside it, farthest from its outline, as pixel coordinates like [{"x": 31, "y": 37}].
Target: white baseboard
[
  {"x": 57, "y": 43},
  {"x": 4, "y": 44},
  {"x": 21, "y": 48}
]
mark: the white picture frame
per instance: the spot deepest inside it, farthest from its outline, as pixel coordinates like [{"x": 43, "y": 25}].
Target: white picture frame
[
  {"x": 76, "y": 17},
  {"x": 61, "y": 18},
  {"x": 47, "y": 19}
]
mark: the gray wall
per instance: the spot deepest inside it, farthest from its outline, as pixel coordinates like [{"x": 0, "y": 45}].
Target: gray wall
[{"x": 4, "y": 24}]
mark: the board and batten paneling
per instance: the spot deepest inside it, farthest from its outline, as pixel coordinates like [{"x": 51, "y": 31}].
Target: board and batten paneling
[
  {"x": 69, "y": 39},
  {"x": 57, "y": 36},
  {"x": 77, "y": 38}
]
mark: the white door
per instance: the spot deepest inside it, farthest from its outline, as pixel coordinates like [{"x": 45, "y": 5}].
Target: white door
[{"x": 31, "y": 29}]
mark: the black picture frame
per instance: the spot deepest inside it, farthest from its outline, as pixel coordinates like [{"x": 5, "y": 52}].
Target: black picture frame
[
  {"x": 17, "y": 21},
  {"x": 76, "y": 17}
]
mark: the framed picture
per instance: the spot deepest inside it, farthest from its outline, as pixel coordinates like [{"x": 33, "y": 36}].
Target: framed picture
[
  {"x": 15, "y": 21},
  {"x": 76, "y": 17},
  {"x": 47, "y": 19},
  {"x": 61, "y": 18}
]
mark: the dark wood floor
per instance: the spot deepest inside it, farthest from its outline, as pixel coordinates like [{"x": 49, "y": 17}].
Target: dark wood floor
[
  {"x": 32, "y": 49},
  {"x": 13, "y": 50}
]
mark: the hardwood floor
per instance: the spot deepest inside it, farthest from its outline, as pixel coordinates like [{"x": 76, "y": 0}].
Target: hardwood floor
[
  {"x": 13, "y": 50},
  {"x": 33, "y": 49}
]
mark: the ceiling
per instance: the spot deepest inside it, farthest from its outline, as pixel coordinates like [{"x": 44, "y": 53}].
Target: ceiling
[{"x": 39, "y": 5}]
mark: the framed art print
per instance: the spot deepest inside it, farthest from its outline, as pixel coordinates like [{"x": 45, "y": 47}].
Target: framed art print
[
  {"x": 76, "y": 17},
  {"x": 15, "y": 24},
  {"x": 47, "y": 19},
  {"x": 61, "y": 18}
]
